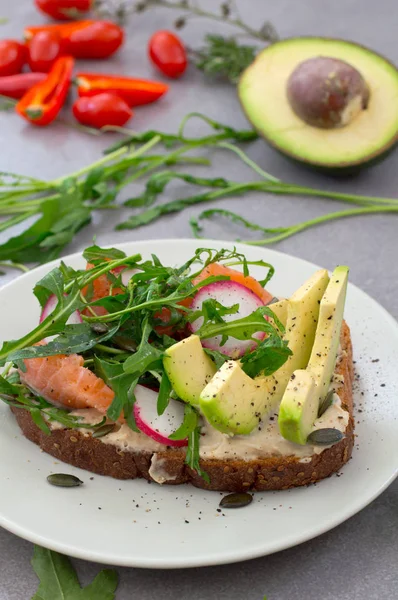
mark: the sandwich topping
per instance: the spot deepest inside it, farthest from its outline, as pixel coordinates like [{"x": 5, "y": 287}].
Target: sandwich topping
[{"x": 200, "y": 357}]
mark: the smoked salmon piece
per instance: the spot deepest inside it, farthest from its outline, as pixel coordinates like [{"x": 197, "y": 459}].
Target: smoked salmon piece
[
  {"x": 63, "y": 380},
  {"x": 101, "y": 287}
]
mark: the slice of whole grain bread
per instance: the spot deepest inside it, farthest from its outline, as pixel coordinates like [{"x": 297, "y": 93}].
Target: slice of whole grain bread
[{"x": 268, "y": 473}]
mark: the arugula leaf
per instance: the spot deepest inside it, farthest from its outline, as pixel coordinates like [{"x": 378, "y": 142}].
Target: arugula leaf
[
  {"x": 218, "y": 357},
  {"x": 188, "y": 425},
  {"x": 123, "y": 385},
  {"x": 164, "y": 393},
  {"x": 7, "y": 388},
  {"x": 51, "y": 284},
  {"x": 74, "y": 339},
  {"x": 241, "y": 329},
  {"x": 192, "y": 457},
  {"x": 20, "y": 397},
  {"x": 52, "y": 325},
  {"x": 213, "y": 311},
  {"x": 16, "y": 248},
  {"x": 58, "y": 579},
  {"x": 267, "y": 358},
  {"x": 95, "y": 253},
  {"x": 38, "y": 419},
  {"x": 147, "y": 355}
]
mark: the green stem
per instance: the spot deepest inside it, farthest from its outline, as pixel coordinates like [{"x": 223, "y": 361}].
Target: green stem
[
  {"x": 15, "y": 220},
  {"x": 292, "y": 189},
  {"x": 102, "y": 161},
  {"x": 109, "y": 349},
  {"x": 283, "y": 233},
  {"x": 14, "y": 208},
  {"x": 155, "y": 164},
  {"x": 199, "y": 12},
  {"x": 243, "y": 156},
  {"x": 12, "y": 265}
]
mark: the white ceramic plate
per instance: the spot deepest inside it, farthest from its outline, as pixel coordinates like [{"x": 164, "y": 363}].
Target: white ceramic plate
[{"x": 132, "y": 523}]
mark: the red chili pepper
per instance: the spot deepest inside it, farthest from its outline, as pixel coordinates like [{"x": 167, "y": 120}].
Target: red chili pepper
[
  {"x": 13, "y": 56},
  {"x": 43, "y": 102},
  {"x": 168, "y": 53},
  {"x": 64, "y": 29},
  {"x": 16, "y": 86},
  {"x": 134, "y": 92},
  {"x": 85, "y": 39},
  {"x": 44, "y": 49},
  {"x": 104, "y": 109},
  {"x": 64, "y": 10}
]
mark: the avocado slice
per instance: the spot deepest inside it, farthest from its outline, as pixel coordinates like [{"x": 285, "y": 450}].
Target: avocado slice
[
  {"x": 299, "y": 407},
  {"x": 233, "y": 402},
  {"x": 280, "y": 310},
  {"x": 368, "y": 135},
  {"x": 189, "y": 368},
  {"x": 306, "y": 389},
  {"x": 327, "y": 338}
]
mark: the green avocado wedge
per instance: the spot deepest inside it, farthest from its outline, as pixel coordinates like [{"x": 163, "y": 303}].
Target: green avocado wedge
[
  {"x": 279, "y": 308},
  {"x": 365, "y": 139},
  {"x": 188, "y": 368},
  {"x": 299, "y": 407},
  {"x": 234, "y": 403},
  {"x": 306, "y": 389},
  {"x": 327, "y": 338}
]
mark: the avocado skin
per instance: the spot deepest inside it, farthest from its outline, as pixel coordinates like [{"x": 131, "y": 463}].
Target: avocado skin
[{"x": 343, "y": 170}]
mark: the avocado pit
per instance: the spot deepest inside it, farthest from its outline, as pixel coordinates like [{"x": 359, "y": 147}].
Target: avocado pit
[{"x": 327, "y": 92}]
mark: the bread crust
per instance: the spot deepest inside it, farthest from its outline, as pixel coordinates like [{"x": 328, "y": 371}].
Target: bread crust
[{"x": 262, "y": 474}]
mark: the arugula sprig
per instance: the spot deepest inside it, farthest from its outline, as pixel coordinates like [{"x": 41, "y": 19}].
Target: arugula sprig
[
  {"x": 190, "y": 429},
  {"x": 131, "y": 321},
  {"x": 41, "y": 411},
  {"x": 58, "y": 579}
]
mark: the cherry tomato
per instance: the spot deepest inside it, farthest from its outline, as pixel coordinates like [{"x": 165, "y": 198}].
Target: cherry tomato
[
  {"x": 104, "y": 109},
  {"x": 168, "y": 53},
  {"x": 44, "y": 48},
  {"x": 63, "y": 10},
  {"x": 98, "y": 39},
  {"x": 13, "y": 56}
]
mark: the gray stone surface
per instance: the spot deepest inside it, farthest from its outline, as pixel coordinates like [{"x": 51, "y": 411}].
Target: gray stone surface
[{"x": 358, "y": 559}]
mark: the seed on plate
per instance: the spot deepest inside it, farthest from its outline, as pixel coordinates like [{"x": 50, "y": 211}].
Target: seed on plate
[
  {"x": 325, "y": 437},
  {"x": 236, "y": 500},
  {"x": 64, "y": 480},
  {"x": 104, "y": 430}
]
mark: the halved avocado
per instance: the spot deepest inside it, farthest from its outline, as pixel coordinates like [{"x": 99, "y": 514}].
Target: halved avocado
[{"x": 369, "y": 133}]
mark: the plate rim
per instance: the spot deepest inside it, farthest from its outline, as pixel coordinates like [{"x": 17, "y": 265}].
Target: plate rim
[{"x": 230, "y": 556}]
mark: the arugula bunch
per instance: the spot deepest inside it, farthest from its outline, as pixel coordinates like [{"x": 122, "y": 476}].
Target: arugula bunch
[
  {"x": 64, "y": 206},
  {"x": 125, "y": 343}
]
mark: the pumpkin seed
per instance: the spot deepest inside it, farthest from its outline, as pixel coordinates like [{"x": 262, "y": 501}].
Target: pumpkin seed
[
  {"x": 326, "y": 402},
  {"x": 99, "y": 327},
  {"x": 325, "y": 437},
  {"x": 273, "y": 301},
  {"x": 104, "y": 430},
  {"x": 236, "y": 500},
  {"x": 125, "y": 343},
  {"x": 64, "y": 480}
]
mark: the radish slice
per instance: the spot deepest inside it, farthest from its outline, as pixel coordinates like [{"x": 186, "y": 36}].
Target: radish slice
[
  {"x": 228, "y": 293},
  {"x": 126, "y": 274},
  {"x": 157, "y": 427},
  {"x": 50, "y": 305}
]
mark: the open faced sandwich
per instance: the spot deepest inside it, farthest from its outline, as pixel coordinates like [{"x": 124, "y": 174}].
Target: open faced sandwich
[{"x": 188, "y": 374}]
